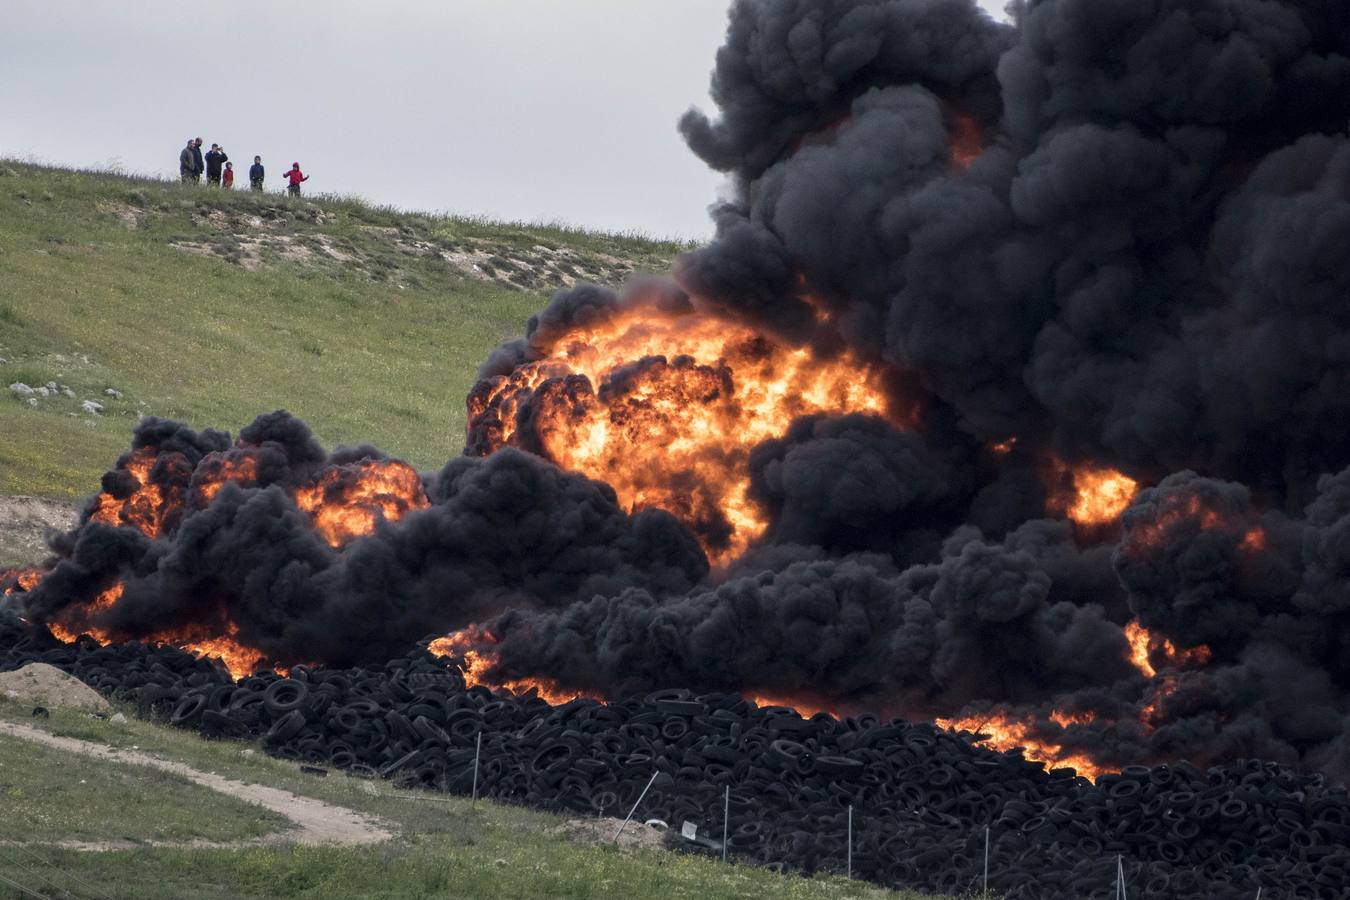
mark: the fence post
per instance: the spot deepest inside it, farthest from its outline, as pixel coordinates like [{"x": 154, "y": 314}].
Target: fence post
[
  {"x": 478, "y": 751},
  {"x": 726, "y": 818},
  {"x": 635, "y": 806},
  {"x": 850, "y": 840},
  {"x": 986, "y": 859}
]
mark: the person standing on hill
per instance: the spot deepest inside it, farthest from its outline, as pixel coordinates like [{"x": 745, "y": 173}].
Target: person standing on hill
[
  {"x": 295, "y": 176},
  {"x": 256, "y": 173},
  {"x": 198, "y": 167},
  {"x": 227, "y": 177},
  {"x": 187, "y": 163},
  {"x": 214, "y": 161}
]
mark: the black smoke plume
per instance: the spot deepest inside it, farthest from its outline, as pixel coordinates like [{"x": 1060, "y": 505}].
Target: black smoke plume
[{"x": 1111, "y": 234}]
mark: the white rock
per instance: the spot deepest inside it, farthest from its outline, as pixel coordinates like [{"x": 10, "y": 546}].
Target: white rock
[
  {"x": 21, "y": 389},
  {"x": 68, "y": 392},
  {"x": 51, "y": 386},
  {"x": 93, "y": 407},
  {"x": 118, "y": 719},
  {"x": 32, "y": 401},
  {"x": 44, "y": 391},
  {"x": 113, "y": 392}
]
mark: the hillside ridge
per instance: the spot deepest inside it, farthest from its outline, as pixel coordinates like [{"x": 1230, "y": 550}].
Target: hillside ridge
[{"x": 124, "y": 296}]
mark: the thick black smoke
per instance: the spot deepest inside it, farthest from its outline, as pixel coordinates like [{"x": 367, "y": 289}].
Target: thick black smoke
[
  {"x": 1142, "y": 268},
  {"x": 510, "y": 531},
  {"x": 1111, "y": 233},
  {"x": 1114, "y": 234}
]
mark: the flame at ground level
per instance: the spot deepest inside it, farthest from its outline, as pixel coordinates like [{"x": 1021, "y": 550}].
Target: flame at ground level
[
  {"x": 1004, "y": 731},
  {"x": 467, "y": 647},
  {"x": 198, "y": 640}
]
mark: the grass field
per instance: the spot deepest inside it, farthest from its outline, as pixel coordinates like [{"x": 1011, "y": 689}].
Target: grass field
[
  {"x": 443, "y": 849},
  {"x": 213, "y": 306},
  {"x": 105, "y": 802}
]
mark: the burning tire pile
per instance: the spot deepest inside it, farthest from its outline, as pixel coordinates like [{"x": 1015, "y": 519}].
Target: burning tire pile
[
  {"x": 921, "y": 798},
  {"x": 1009, "y": 396}
]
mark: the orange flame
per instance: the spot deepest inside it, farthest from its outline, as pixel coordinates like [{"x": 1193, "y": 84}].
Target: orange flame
[
  {"x": 467, "y": 646},
  {"x": 804, "y": 708},
  {"x": 215, "y": 469},
  {"x": 1254, "y": 541},
  {"x": 148, "y": 505},
  {"x": 1003, "y": 731},
  {"x": 241, "y": 661},
  {"x": 346, "y": 502},
  {"x": 665, "y": 409},
  {"x": 1164, "y": 687},
  {"x": 20, "y": 580},
  {"x": 1100, "y": 495},
  {"x": 965, "y": 138},
  {"x": 238, "y": 659},
  {"x": 1144, "y": 645},
  {"x": 1140, "y": 639},
  {"x": 77, "y": 618},
  {"x": 1176, "y": 508}
]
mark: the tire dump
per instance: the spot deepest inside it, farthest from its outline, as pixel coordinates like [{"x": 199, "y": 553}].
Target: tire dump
[{"x": 976, "y": 500}]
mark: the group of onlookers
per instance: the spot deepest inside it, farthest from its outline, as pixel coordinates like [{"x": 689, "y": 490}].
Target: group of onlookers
[{"x": 220, "y": 171}]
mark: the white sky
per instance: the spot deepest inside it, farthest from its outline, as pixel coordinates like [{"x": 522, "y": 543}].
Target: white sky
[{"x": 519, "y": 109}]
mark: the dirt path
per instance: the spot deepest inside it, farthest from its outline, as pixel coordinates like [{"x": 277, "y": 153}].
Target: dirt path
[
  {"x": 316, "y": 822},
  {"x": 24, "y": 523}
]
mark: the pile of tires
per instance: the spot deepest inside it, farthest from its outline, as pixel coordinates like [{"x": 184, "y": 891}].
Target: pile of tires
[{"x": 922, "y": 800}]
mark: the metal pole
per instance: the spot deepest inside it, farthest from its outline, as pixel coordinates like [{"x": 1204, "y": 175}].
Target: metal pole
[
  {"x": 726, "y": 817},
  {"x": 635, "y": 806},
  {"x": 850, "y": 840},
  {"x": 478, "y": 751},
  {"x": 1258, "y": 892},
  {"x": 1120, "y": 878},
  {"x": 986, "y": 859}
]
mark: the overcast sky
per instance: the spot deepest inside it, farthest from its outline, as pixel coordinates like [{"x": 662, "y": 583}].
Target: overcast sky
[{"x": 518, "y": 109}]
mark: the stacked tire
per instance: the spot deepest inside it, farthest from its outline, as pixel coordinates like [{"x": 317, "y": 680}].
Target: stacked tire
[{"x": 921, "y": 798}]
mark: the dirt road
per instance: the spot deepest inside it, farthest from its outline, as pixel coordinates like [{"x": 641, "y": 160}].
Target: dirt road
[{"x": 316, "y": 822}]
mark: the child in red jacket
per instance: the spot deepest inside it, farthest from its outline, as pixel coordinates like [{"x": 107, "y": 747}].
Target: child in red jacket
[
  {"x": 295, "y": 176},
  {"x": 227, "y": 177}
]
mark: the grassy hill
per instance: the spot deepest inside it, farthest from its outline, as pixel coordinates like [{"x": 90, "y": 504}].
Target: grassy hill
[
  {"x": 441, "y": 847},
  {"x": 212, "y": 307}
]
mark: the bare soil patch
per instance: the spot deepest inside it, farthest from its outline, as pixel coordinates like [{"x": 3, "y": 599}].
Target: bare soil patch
[
  {"x": 45, "y": 685},
  {"x": 25, "y": 523},
  {"x": 601, "y": 831}
]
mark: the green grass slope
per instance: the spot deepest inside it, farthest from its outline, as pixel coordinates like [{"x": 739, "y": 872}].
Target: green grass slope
[
  {"x": 53, "y": 795},
  {"x": 213, "y": 306},
  {"x": 442, "y": 848}
]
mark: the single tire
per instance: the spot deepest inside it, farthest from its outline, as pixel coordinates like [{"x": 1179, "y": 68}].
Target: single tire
[
  {"x": 284, "y": 696},
  {"x": 285, "y": 728}
]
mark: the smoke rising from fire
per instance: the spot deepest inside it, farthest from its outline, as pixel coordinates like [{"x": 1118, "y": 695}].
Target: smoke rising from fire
[
  {"x": 1010, "y": 393},
  {"x": 1137, "y": 270}
]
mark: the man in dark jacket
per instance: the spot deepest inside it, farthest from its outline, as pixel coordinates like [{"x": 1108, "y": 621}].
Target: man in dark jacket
[
  {"x": 256, "y": 173},
  {"x": 187, "y": 163},
  {"x": 197, "y": 166},
  {"x": 215, "y": 161}
]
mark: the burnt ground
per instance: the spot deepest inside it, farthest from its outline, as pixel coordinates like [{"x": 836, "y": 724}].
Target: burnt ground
[{"x": 25, "y": 523}]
